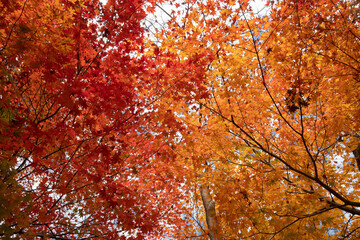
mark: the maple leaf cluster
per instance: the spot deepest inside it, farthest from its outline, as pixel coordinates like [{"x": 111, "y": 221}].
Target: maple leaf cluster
[
  {"x": 226, "y": 122},
  {"x": 80, "y": 156}
]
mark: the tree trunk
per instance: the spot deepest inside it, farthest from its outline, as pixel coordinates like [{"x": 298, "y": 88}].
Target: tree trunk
[
  {"x": 356, "y": 153},
  {"x": 210, "y": 212}
]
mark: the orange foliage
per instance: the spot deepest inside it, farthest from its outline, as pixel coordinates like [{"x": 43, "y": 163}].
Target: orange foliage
[
  {"x": 274, "y": 137},
  {"x": 105, "y": 133}
]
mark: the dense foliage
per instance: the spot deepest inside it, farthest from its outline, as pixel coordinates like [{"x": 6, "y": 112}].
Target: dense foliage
[{"x": 228, "y": 122}]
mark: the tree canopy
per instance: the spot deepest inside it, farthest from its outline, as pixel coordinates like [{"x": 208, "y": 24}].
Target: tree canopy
[{"x": 229, "y": 120}]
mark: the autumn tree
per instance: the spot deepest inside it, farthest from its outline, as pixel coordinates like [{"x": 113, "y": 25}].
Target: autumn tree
[
  {"x": 83, "y": 154},
  {"x": 271, "y": 111},
  {"x": 227, "y": 123}
]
